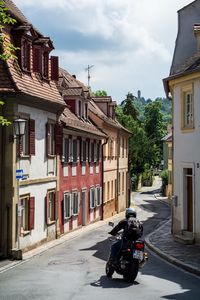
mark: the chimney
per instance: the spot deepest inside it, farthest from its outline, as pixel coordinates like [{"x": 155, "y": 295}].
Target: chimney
[{"x": 197, "y": 35}]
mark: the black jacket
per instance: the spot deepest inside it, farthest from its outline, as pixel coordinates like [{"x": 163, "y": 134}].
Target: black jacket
[{"x": 123, "y": 224}]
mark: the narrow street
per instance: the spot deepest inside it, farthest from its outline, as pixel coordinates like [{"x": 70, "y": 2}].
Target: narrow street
[{"x": 76, "y": 269}]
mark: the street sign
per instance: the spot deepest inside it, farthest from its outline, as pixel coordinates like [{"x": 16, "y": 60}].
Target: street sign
[{"x": 19, "y": 174}]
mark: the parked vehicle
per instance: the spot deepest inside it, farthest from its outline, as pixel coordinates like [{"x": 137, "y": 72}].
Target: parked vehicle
[{"x": 131, "y": 257}]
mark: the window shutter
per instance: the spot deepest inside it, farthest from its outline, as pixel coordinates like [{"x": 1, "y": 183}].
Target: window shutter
[
  {"x": 95, "y": 151},
  {"x": 47, "y": 209},
  {"x": 75, "y": 150},
  {"x": 81, "y": 150},
  {"x": 58, "y": 139},
  {"x": 70, "y": 150},
  {"x": 19, "y": 146},
  {"x": 79, "y": 201},
  {"x": 28, "y": 56},
  {"x": 37, "y": 60},
  {"x": 54, "y": 68},
  {"x": 89, "y": 151},
  {"x": 32, "y": 137},
  {"x": 47, "y": 138},
  {"x": 31, "y": 213},
  {"x": 56, "y": 197}
]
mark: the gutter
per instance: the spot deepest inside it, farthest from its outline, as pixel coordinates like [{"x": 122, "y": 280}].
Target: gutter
[{"x": 102, "y": 176}]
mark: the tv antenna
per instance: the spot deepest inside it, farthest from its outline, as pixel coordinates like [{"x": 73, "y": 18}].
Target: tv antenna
[{"x": 88, "y": 71}]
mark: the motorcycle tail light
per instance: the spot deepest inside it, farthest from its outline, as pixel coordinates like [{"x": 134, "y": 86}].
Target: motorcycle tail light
[{"x": 139, "y": 246}]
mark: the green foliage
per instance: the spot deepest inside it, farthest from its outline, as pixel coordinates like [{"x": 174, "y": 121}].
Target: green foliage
[
  {"x": 7, "y": 48},
  {"x": 147, "y": 121},
  {"x": 164, "y": 177},
  {"x": 100, "y": 93},
  {"x": 129, "y": 107}
]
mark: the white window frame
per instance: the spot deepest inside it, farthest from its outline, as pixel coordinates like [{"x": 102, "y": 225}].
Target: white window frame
[
  {"x": 98, "y": 196},
  {"x": 92, "y": 197},
  {"x": 67, "y": 208},
  {"x": 188, "y": 110},
  {"x": 75, "y": 198},
  {"x": 24, "y": 212},
  {"x": 51, "y": 205}
]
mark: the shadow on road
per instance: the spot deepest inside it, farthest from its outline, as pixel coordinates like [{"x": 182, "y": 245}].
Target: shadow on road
[
  {"x": 106, "y": 282},
  {"x": 151, "y": 192}
]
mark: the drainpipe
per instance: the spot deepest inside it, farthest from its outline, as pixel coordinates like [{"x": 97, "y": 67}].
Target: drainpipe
[
  {"x": 117, "y": 185},
  {"x": 102, "y": 175}
]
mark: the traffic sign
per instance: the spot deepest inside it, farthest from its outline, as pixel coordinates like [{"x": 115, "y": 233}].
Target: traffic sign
[{"x": 19, "y": 174}]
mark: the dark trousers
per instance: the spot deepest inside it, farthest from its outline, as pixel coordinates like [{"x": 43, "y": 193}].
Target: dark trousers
[{"x": 115, "y": 248}]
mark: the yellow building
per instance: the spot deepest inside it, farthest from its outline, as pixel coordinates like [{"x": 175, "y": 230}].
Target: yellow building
[{"x": 115, "y": 155}]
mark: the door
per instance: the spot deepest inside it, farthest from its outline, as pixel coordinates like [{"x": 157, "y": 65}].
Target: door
[{"x": 189, "y": 201}]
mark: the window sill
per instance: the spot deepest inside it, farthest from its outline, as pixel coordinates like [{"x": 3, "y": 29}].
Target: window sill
[
  {"x": 51, "y": 223},
  {"x": 51, "y": 155},
  {"x": 25, "y": 233},
  {"x": 187, "y": 129}
]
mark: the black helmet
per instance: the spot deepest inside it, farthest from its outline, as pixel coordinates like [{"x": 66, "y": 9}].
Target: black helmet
[{"x": 130, "y": 212}]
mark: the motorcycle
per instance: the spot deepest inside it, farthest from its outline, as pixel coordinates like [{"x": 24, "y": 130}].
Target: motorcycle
[{"x": 131, "y": 257}]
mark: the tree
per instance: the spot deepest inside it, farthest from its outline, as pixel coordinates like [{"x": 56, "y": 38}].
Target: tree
[
  {"x": 100, "y": 93},
  {"x": 129, "y": 107},
  {"x": 7, "y": 49},
  {"x": 155, "y": 129}
]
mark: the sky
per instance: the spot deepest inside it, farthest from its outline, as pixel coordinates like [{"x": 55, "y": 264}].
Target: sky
[{"x": 128, "y": 44}]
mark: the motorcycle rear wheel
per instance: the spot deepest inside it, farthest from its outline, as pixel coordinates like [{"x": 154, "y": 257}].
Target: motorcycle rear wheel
[
  {"x": 131, "y": 271},
  {"x": 109, "y": 270}
]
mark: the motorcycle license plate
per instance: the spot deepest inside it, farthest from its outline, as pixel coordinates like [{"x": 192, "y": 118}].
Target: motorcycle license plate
[{"x": 138, "y": 254}]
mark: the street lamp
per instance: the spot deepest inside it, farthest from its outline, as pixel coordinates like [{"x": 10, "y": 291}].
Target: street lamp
[{"x": 19, "y": 126}]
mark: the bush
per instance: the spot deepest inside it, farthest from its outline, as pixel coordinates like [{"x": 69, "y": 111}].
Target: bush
[{"x": 164, "y": 177}]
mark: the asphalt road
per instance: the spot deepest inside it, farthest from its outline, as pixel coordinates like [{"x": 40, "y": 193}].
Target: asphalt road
[{"x": 75, "y": 270}]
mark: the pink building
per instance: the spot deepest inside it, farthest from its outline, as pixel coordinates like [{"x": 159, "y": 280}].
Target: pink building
[{"x": 80, "y": 170}]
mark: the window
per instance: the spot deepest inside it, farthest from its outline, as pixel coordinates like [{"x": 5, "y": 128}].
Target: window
[
  {"x": 67, "y": 205},
  {"x": 66, "y": 149},
  {"x": 86, "y": 111},
  {"x": 50, "y": 139},
  {"x": 75, "y": 153},
  {"x": 188, "y": 107},
  {"x": 27, "y": 212},
  {"x": 108, "y": 190},
  {"x": 169, "y": 152},
  {"x": 98, "y": 151},
  {"x": 92, "y": 197},
  {"x": 112, "y": 189},
  {"x": 50, "y": 206},
  {"x": 45, "y": 64},
  {"x": 75, "y": 203},
  {"x": 27, "y": 141},
  {"x": 25, "y": 55},
  {"x": 122, "y": 147},
  {"x": 79, "y": 108},
  {"x": 83, "y": 150},
  {"x": 98, "y": 196}
]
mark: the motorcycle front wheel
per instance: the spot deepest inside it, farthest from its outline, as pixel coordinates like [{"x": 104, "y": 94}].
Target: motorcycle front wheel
[
  {"x": 109, "y": 270},
  {"x": 131, "y": 271}
]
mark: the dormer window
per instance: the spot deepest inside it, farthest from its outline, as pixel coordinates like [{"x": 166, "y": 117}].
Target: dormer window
[
  {"x": 25, "y": 55},
  {"x": 79, "y": 108},
  {"x": 86, "y": 111}
]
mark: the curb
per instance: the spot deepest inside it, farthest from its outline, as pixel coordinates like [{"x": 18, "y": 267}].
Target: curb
[{"x": 168, "y": 257}]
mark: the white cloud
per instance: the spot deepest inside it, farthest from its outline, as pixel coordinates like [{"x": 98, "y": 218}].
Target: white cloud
[{"x": 142, "y": 32}]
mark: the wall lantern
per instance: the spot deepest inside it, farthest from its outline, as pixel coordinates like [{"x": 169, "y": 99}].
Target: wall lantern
[{"x": 19, "y": 126}]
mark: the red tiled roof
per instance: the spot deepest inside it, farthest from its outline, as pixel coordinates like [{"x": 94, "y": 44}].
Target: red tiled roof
[
  {"x": 93, "y": 107},
  {"x": 72, "y": 121},
  {"x": 12, "y": 78}
]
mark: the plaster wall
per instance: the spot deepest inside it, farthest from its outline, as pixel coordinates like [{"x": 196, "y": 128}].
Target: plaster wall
[{"x": 186, "y": 155}]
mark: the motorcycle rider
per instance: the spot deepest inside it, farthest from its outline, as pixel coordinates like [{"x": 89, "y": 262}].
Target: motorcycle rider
[{"x": 130, "y": 214}]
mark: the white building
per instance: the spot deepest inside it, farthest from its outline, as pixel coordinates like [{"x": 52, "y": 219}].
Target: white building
[{"x": 183, "y": 85}]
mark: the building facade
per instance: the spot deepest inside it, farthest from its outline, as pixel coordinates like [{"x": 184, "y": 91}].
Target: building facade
[{"x": 183, "y": 86}]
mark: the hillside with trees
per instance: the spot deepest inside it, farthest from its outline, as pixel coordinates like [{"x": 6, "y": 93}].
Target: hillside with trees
[{"x": 147, "y": 120}]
